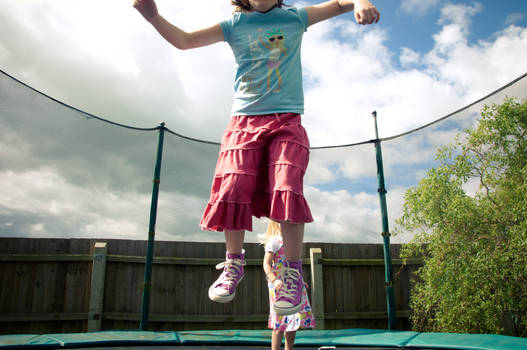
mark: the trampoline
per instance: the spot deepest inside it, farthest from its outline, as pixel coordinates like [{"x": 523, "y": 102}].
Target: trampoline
[{"x": 371, "y": 339}]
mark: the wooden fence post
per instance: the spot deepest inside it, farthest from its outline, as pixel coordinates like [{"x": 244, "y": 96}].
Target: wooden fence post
[
  {"x": 98, "y": 275},
  {"x": 317, "y": 288}
]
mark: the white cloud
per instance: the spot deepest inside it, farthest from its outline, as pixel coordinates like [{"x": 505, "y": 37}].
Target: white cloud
[
  {"x": 342, "y": 217},
  {"x": 338, "y": 74},
  {"x": 419, "y": 7},
  {"x": 409, "y": 57},
  {"x": 328, "y": 165},
  {"x": 57, "y": 177},
  {"x": 459, "y": 14},
  {"x": 514, "y": 18},
  {"x": 472, "y": 186},
  {"x": 59, "y": 208},
  {"x": 394, "y": 202},
  {"x": 475, "y": 70}
]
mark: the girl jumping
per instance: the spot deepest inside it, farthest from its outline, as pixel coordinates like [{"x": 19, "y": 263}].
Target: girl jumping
[{"x": 265, "y": 149}]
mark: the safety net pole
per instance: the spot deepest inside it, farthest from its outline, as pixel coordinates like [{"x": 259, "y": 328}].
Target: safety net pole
[
  {"x": 151, "y": 232},
  {"x": 385, "y": 229}
]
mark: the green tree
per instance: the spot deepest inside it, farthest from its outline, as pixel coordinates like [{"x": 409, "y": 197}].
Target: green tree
[{"x": 474, "y": 277}]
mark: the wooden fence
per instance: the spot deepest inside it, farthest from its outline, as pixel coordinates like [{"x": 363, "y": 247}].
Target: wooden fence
[{"x": 77, "y": 285}]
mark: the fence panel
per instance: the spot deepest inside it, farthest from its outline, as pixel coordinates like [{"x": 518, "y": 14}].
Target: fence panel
[{"x": 46, "y": 286}]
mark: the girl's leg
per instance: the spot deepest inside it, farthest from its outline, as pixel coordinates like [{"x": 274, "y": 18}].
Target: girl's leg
[
  {"x": 276, "y": 340},
  {"x": 293, "y": 237},
  {"x": 289, "y": 155},
  {"x": 234, "y": 241},
  {"x": 289, "y": 297},
  {"x": 224, "y": 289},
  {"x": 289, "y": 340}
]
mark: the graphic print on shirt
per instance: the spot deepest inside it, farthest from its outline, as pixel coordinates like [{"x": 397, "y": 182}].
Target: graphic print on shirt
[
  {"x": 274, "y": 42},
  {"x": 253, "y": 85}
]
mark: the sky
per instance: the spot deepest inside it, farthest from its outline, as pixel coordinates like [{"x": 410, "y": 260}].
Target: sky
[{"x": 64, "y": 175}]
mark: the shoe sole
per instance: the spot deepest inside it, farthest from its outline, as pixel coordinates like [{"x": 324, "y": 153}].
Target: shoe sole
[
  {"x": 287, "y": 310},
  {"x": 220, "y": 298}
]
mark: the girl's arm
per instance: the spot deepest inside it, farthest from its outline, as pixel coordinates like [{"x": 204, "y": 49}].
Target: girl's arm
[
  {"x": 269, "y": 274},
  {"x": 365, "y": 11},
  {"x": 174, "y": 35}
]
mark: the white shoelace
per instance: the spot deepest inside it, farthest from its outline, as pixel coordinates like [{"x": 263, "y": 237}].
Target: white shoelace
[
  {"x": 290, "y": 277},
  {"x": 231, "y": 270}
]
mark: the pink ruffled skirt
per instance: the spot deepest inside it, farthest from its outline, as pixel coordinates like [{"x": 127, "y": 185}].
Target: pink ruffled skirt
[{"x": 259, "y": 172}]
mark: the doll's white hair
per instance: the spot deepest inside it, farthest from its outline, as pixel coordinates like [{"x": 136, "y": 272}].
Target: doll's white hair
[{"x": 273, "y": 229}]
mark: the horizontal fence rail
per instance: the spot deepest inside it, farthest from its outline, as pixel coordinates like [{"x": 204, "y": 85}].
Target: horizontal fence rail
[{"x": 186, "y": 261}]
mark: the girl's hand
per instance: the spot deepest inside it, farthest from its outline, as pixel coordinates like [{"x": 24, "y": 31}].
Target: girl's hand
[
  {"x": 147, "y": 8},
  {"x": 366, "y": 12},
  {"x": 277, "y": 284}
]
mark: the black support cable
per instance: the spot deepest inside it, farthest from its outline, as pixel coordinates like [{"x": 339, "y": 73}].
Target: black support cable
[
  {"x": 389, "y": 138},
  {"x": 86, "y": 114},
  {"x": 457, "y": 111}
]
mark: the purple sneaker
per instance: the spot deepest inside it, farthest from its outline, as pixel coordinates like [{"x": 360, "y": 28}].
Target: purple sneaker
[
  {"x": 289, "y": 297},
  {"x": 224, "y": 289}
]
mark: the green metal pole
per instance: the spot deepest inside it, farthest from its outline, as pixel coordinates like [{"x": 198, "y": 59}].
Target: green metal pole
[
  {"x": 385, "y": 230},
  {"x": 151, "y": 232}
]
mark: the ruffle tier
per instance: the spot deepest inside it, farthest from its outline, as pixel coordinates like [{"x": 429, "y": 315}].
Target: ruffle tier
[{"x": 280, "y": 205}]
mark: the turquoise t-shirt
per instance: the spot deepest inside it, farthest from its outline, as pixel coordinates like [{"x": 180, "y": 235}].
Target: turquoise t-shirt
[{"x": 266, "y": 48}]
